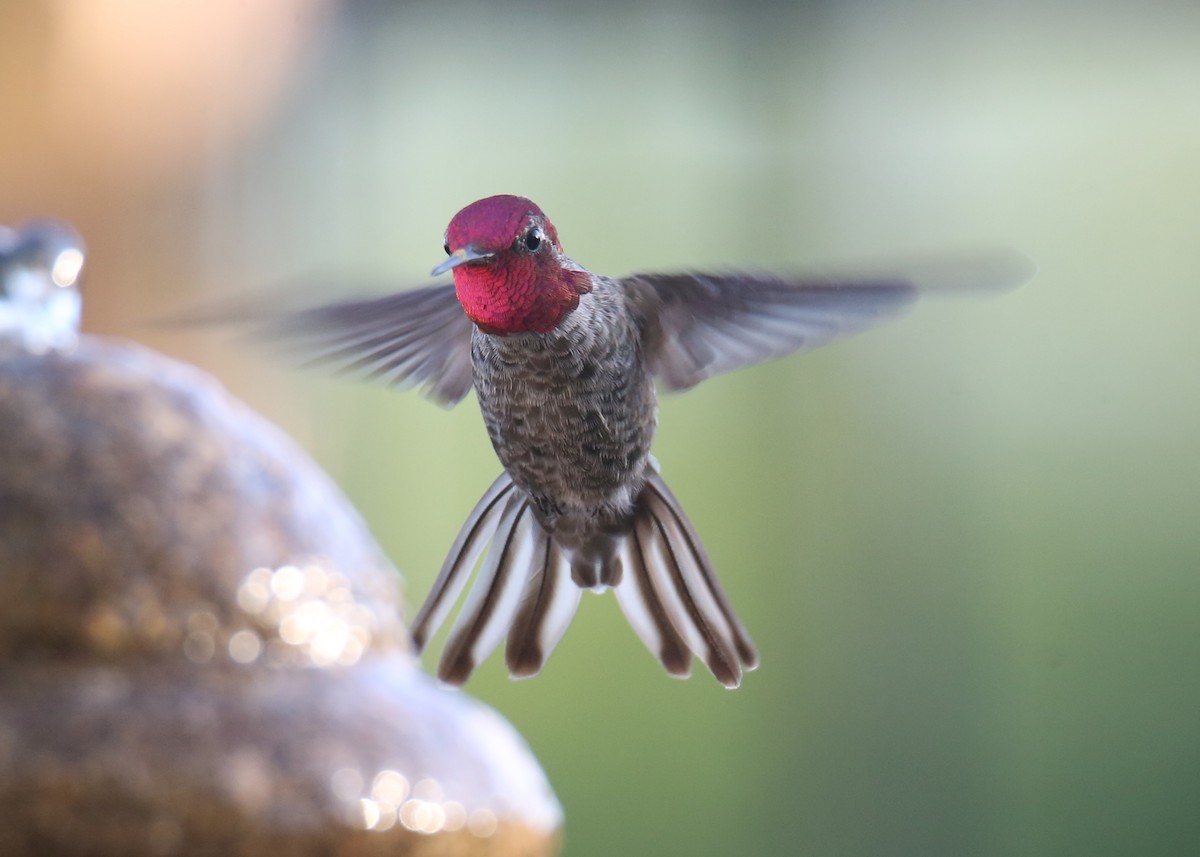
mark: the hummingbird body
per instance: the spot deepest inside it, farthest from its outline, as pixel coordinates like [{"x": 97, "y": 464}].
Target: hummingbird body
[
  {"x": 565, "y": 365},
  {"x": 571, "y": 414}
]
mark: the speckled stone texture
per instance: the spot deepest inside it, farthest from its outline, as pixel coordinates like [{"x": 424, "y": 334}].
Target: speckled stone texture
[{"x": 201, "y": 651}]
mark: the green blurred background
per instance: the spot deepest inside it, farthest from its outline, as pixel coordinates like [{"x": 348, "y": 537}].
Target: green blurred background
[{"x": 967, "y": 544}]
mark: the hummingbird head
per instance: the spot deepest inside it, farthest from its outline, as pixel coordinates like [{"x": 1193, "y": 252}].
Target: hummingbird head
[{"x": 510, "y": 272}]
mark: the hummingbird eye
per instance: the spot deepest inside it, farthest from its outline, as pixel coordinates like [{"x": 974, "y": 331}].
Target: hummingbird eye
[
  {"x": 446, "y": 247},
  {"x": 533, "y": 239}
]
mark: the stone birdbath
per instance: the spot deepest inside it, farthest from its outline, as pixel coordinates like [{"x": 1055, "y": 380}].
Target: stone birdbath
[{"x": 201, "y": 649}]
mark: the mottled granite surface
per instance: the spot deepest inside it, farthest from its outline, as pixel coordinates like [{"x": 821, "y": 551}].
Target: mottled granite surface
[{"x": 201, "y": 650}]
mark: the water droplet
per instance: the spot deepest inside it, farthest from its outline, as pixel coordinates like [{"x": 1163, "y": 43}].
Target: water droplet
[
  {"x": 456, "y": 815},
  {"x": 304, "y": 613},
  {"x": 370, "y": 812},
  {"x": 482, "y": 822},
  {"x": 40, "y": 271},
  {"x": 390, "y": 787},
  {"x": 287, "y": 583},
  {"x": 199, "y": 646},
  {"x": 347, "y": 783},
  {"x": 245, "y": 647}
]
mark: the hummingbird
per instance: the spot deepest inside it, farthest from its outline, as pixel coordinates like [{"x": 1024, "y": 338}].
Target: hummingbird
[{"x": 566, "y": 365}]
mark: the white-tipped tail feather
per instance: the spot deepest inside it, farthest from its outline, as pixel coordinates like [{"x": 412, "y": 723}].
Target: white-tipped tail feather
[
  {"x": 547, "y": 606},
  {"x": 524, "y": 589}
]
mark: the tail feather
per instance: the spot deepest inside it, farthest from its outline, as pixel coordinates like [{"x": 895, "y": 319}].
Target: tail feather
[
  {"x": 666, "y": 559},
  {"x": 464, "y": 554},
  {"x": 646, "y": 613},
  {"x": 492, "y": 603},
  {"x": 547, "y": 606},
  {"x": 528, "y": 589},
  {"x": 708, "y": 583}
]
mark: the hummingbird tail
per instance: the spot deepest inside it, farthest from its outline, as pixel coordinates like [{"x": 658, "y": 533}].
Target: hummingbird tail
[
  {"x": 528, "y": 590},
  {"x": 670, "y": 594},
  {"x": 523, "y": 589}
]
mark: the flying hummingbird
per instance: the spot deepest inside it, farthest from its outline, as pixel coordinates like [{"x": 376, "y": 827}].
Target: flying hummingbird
[{"x": 564, "y": 363}]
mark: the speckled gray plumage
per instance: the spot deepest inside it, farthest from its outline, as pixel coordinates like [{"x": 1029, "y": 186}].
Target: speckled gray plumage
[{"x": 572, "y": 413}]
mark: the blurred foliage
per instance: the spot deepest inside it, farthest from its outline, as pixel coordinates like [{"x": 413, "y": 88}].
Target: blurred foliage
[{"x": 967, "y": 544}]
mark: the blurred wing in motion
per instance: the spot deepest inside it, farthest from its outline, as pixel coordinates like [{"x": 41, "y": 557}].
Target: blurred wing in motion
[
  {"x": 418, "y": 337},
  {"x": 700, "y": 325}
]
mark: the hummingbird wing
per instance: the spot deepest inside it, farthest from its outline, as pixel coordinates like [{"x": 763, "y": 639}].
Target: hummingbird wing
[
  {"x": 699, "y": 325},
  {"x": 417, "y": 337}
]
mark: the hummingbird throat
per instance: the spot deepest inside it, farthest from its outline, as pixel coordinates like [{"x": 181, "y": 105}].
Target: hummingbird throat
[{"x": 505, "y": 302}]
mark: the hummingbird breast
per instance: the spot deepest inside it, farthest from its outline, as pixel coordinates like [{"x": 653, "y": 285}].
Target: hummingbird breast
[{"x": 571, "y": 413}]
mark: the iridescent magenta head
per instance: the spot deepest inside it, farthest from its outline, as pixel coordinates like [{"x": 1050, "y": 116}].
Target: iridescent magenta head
[{"x": 510, "y": 272}]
